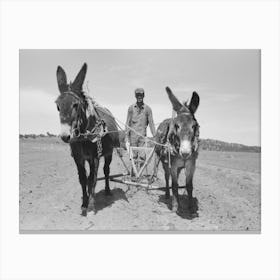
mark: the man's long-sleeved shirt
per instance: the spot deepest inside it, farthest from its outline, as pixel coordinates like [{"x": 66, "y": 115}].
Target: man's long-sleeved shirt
[{"x": 138, "y": 119}]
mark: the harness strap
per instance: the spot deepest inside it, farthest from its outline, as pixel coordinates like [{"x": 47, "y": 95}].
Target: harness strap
[{"x": 75, "y": 95}]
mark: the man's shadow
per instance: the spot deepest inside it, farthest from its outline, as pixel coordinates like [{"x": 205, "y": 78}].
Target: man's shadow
[
  {"x": 102, "y": 200},
  {"x": 189, "y": 207}
]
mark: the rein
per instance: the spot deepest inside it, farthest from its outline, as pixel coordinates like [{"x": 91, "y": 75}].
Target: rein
[
  {"x": 93, "y": 134},
  {"x": 98, "y": 130}
]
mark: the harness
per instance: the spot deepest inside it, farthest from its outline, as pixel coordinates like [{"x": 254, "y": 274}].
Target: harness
[
  {"x": 99, "y": 130},
  {"x": 173, "y": 145},
  {"x": 93, "y": 134}
]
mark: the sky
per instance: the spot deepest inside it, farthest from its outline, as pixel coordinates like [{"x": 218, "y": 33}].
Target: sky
[{"x": 227, "y": 81}]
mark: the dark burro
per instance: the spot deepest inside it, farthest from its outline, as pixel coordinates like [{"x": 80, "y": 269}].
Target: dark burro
[{"x": 91, "y": 131}]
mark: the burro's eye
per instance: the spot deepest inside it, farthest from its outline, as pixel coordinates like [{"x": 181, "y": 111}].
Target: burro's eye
[
  {"x": 58, "y": 109},
  {"x": 75, "y": 106}
]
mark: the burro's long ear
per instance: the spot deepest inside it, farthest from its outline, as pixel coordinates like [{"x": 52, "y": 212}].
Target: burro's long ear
[
  {"x": 176, "y": 104},
  {"x": 61, "y": 79},
  {"x": 79, "y": 80},
  {"x": 194, "y": 102}
]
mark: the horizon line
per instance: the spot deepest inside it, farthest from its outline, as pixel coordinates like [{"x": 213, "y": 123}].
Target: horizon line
[{"x": 57, "y": 135}]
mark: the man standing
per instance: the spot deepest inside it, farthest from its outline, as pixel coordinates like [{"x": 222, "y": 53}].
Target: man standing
[{"x": 139, "y": 116}]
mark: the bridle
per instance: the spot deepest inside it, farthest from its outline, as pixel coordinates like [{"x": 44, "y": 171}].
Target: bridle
[
  {"x": 174, "y": 143},
  {"x": 79, "y": 133}
]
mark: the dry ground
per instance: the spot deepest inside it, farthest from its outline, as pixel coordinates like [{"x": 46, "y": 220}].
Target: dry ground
[{"x": 226, "y": 185}]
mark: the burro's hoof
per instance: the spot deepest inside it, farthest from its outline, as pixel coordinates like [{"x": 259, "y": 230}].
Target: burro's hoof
[
  {"x": 179, "y": 211},
  {"x": 174, "y": 205},
  {"x": 176, "y": 209},
  {"x": 91, "y": 207},
  {"x": 84, "y": 212},
  {"x": 193, "y": 205},
  {"x": 191, "y": 216}
]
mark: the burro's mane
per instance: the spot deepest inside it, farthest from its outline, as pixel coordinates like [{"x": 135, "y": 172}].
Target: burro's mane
[{"x": 93, "y": 106}]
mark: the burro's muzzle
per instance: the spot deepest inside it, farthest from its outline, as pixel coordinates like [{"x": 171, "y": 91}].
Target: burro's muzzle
[
  {"x": 65, "y": 133},
  {"x": 185, "y": 148}
]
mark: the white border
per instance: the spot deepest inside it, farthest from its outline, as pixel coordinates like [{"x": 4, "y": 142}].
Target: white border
[{"x": 200, "y": 24}]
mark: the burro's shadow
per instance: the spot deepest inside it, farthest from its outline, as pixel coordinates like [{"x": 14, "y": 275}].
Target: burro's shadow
[
  {"x": 102, "y": 200},
  {"x": 189, "y": 207}
]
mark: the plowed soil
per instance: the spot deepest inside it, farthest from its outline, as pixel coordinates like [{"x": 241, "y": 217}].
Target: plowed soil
[{"x": 226, "y": 186}]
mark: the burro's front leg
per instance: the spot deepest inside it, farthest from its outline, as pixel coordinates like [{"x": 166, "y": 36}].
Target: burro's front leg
[
  {"x": 189, "y": 171},
  {"x": 92, "y": 179},
  {"x": 83, "y": 182},
  {"x": 175, "y": 204},
  {"x": 166, "y": 176},
  {"x": 192, "y": 201},
  {"x": 106, "y": 169}
]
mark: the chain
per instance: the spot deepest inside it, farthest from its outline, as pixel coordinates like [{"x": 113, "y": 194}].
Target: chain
[{"x": 99, "y": 146}]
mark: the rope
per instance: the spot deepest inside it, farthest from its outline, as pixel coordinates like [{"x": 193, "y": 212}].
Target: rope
[
  {"x": 127, "y": 126},
  {"x": 130, "y": 128},
  {"x": 108, "y": 113},
  {"x": 117, "y": 121}
]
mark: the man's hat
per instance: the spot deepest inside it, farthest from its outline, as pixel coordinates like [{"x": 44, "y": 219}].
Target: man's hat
[{"x": 139, "y": 91}]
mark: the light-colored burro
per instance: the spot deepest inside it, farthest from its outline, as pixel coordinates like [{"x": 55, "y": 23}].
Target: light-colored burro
[{"x": 181, "y": 133}]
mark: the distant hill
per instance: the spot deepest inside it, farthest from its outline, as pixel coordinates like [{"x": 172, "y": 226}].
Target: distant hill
[
  {"x": 216, "y": 145},
  {"x": 33, "y": 136},
  {"x": 205, "y": 144}
]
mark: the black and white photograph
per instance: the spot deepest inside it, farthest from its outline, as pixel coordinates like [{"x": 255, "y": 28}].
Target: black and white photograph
[{"x": 140, "y": 140}]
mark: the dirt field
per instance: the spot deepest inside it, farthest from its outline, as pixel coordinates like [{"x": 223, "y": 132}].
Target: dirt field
[{"x": 226, "y": 185}]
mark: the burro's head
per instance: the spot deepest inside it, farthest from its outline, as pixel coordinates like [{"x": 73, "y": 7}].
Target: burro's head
[
  {"x": 184, "y": 126},
  {"x": 69, "y": 101}
]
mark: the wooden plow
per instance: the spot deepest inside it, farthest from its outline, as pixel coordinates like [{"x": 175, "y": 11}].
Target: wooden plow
[
  {"x": 133, "y": 175},
  {"x": 136, "y": 172}
]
